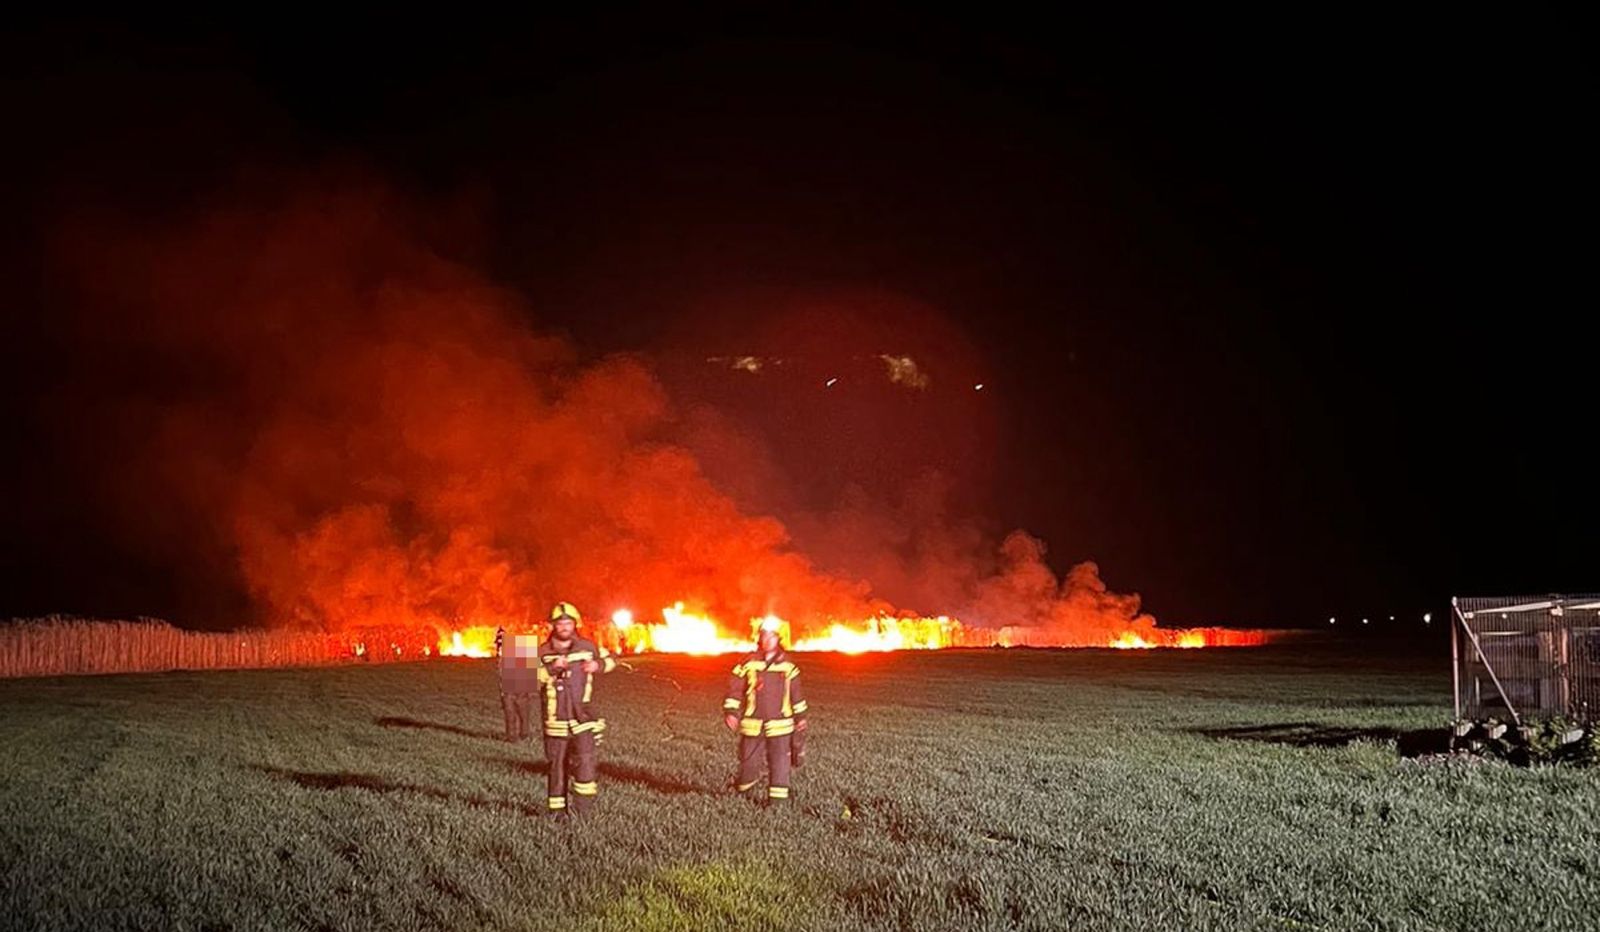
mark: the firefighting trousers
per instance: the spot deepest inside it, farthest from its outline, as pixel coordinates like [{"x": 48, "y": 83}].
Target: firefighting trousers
[
  {"x": 571, "y": 757},
  {"x": 758, "y": 752},
  {"x": 516, "y": 706}
]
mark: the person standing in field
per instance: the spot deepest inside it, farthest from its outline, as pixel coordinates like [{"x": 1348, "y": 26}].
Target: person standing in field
[
  {"x": 567, "y": 665},
  {"x": 767, "y": 708},
  {"x": 519, "y": 682}
]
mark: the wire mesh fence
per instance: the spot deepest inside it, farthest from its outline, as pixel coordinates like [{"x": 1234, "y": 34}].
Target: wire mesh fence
[{"x": 1528, "y": 657}]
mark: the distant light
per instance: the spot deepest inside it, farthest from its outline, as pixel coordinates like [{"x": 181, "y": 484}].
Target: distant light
[
  {"x": 622, "y": 618},
  {"x": 978, "y": 387},
  {"x": 829, "y": 383},
  {"x": 1330, "y": 621},
  {"x": 1427, "y": 618},
  {"x": 1363, "y": 621},
  {"x": 1391, "y": 618}
]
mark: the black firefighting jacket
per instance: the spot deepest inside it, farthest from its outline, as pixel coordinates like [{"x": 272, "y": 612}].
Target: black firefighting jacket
[
  {"x": 568, "y": 693},
  {"x": 766, "y": 695}
]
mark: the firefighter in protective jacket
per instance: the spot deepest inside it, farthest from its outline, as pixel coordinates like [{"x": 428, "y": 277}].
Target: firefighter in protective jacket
[
  {"x": 767, "y": 707},
  {"x": 567, "y": 667}
]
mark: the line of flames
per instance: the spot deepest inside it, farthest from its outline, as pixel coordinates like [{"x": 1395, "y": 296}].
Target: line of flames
[{"x": 683, "y": 631}]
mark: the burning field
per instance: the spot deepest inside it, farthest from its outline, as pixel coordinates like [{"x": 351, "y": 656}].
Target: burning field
[
  {"x": 362, "y": 438},
  {"x": 959, "y": 789},
  {"x": 680, "y": 631}
]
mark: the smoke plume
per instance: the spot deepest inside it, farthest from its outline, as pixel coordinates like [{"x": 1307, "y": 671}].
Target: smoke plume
[{"x": 306, "y": 394}]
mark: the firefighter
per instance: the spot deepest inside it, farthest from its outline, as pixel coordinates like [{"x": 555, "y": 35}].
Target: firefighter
[
  {"x": 767, "y": 708},
  {"x": 567, "y": 665},
  {"x": 519, "y": 682}
]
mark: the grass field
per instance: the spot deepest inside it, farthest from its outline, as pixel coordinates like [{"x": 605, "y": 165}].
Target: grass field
[{"x": 1080, "y": 789}]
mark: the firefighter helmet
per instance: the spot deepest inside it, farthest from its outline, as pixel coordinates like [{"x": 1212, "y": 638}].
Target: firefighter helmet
[
  {"x": 774, "y": 624},
  {"x": 565, "y": 610}
]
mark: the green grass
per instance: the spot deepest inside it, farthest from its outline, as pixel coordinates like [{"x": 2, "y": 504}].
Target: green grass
[{"x": 1142, "y": 790}]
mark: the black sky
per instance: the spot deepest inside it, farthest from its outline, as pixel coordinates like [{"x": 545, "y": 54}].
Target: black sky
[{"x": 1277, "y": 320}]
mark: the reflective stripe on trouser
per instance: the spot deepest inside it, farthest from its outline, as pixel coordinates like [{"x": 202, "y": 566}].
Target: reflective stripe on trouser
[
  {"x": 516, "y": 706},
  {"x": 572, "y": 757},
  {"x": 775, "y": 750}
]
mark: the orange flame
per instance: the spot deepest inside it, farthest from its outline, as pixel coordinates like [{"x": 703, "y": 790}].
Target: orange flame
[
  {"x": 476, "y": 641},
  {"x": 1190, "y": 638},
  {"x": 691, "y": 631},
  {"x": 680, "y": 632},
  {"x": 1127, "y": 640}
]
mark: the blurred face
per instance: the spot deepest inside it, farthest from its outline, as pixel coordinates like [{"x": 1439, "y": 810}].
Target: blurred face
[
  {"x": 768, "y": 641},
  {"x": 564, "y": 628},
  {"x": 525, "y": 647}
]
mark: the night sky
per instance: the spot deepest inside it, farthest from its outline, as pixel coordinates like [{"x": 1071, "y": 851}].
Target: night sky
[{"x": 1275, "y": 320}]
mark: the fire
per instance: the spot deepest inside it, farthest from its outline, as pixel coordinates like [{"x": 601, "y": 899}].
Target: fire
[
  {"x": 476, "y": 641},
  {"x": 1190, "y": 638},
  {"x": 886, "y": 633},
  {"x": 846, "y": 641},
  {"x": 686, "y": 632},
  {"x": 1130, "y": 641},
  {"x": 683, "y": 630},
  {"x": 680, "y": 632}
]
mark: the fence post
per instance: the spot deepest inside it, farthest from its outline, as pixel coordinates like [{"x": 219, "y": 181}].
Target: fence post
[{"x": 1455, "y": 659}]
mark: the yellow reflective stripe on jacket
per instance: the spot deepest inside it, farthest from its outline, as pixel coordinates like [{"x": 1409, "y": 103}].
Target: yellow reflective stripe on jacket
[
  {"x": 577, "y": 656},
  {"x": 800, "y": 707},
  {"x": 771, "y": 728},
  {"x": 732, "y": 705},
  {"x": 557, "y": 728}
]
